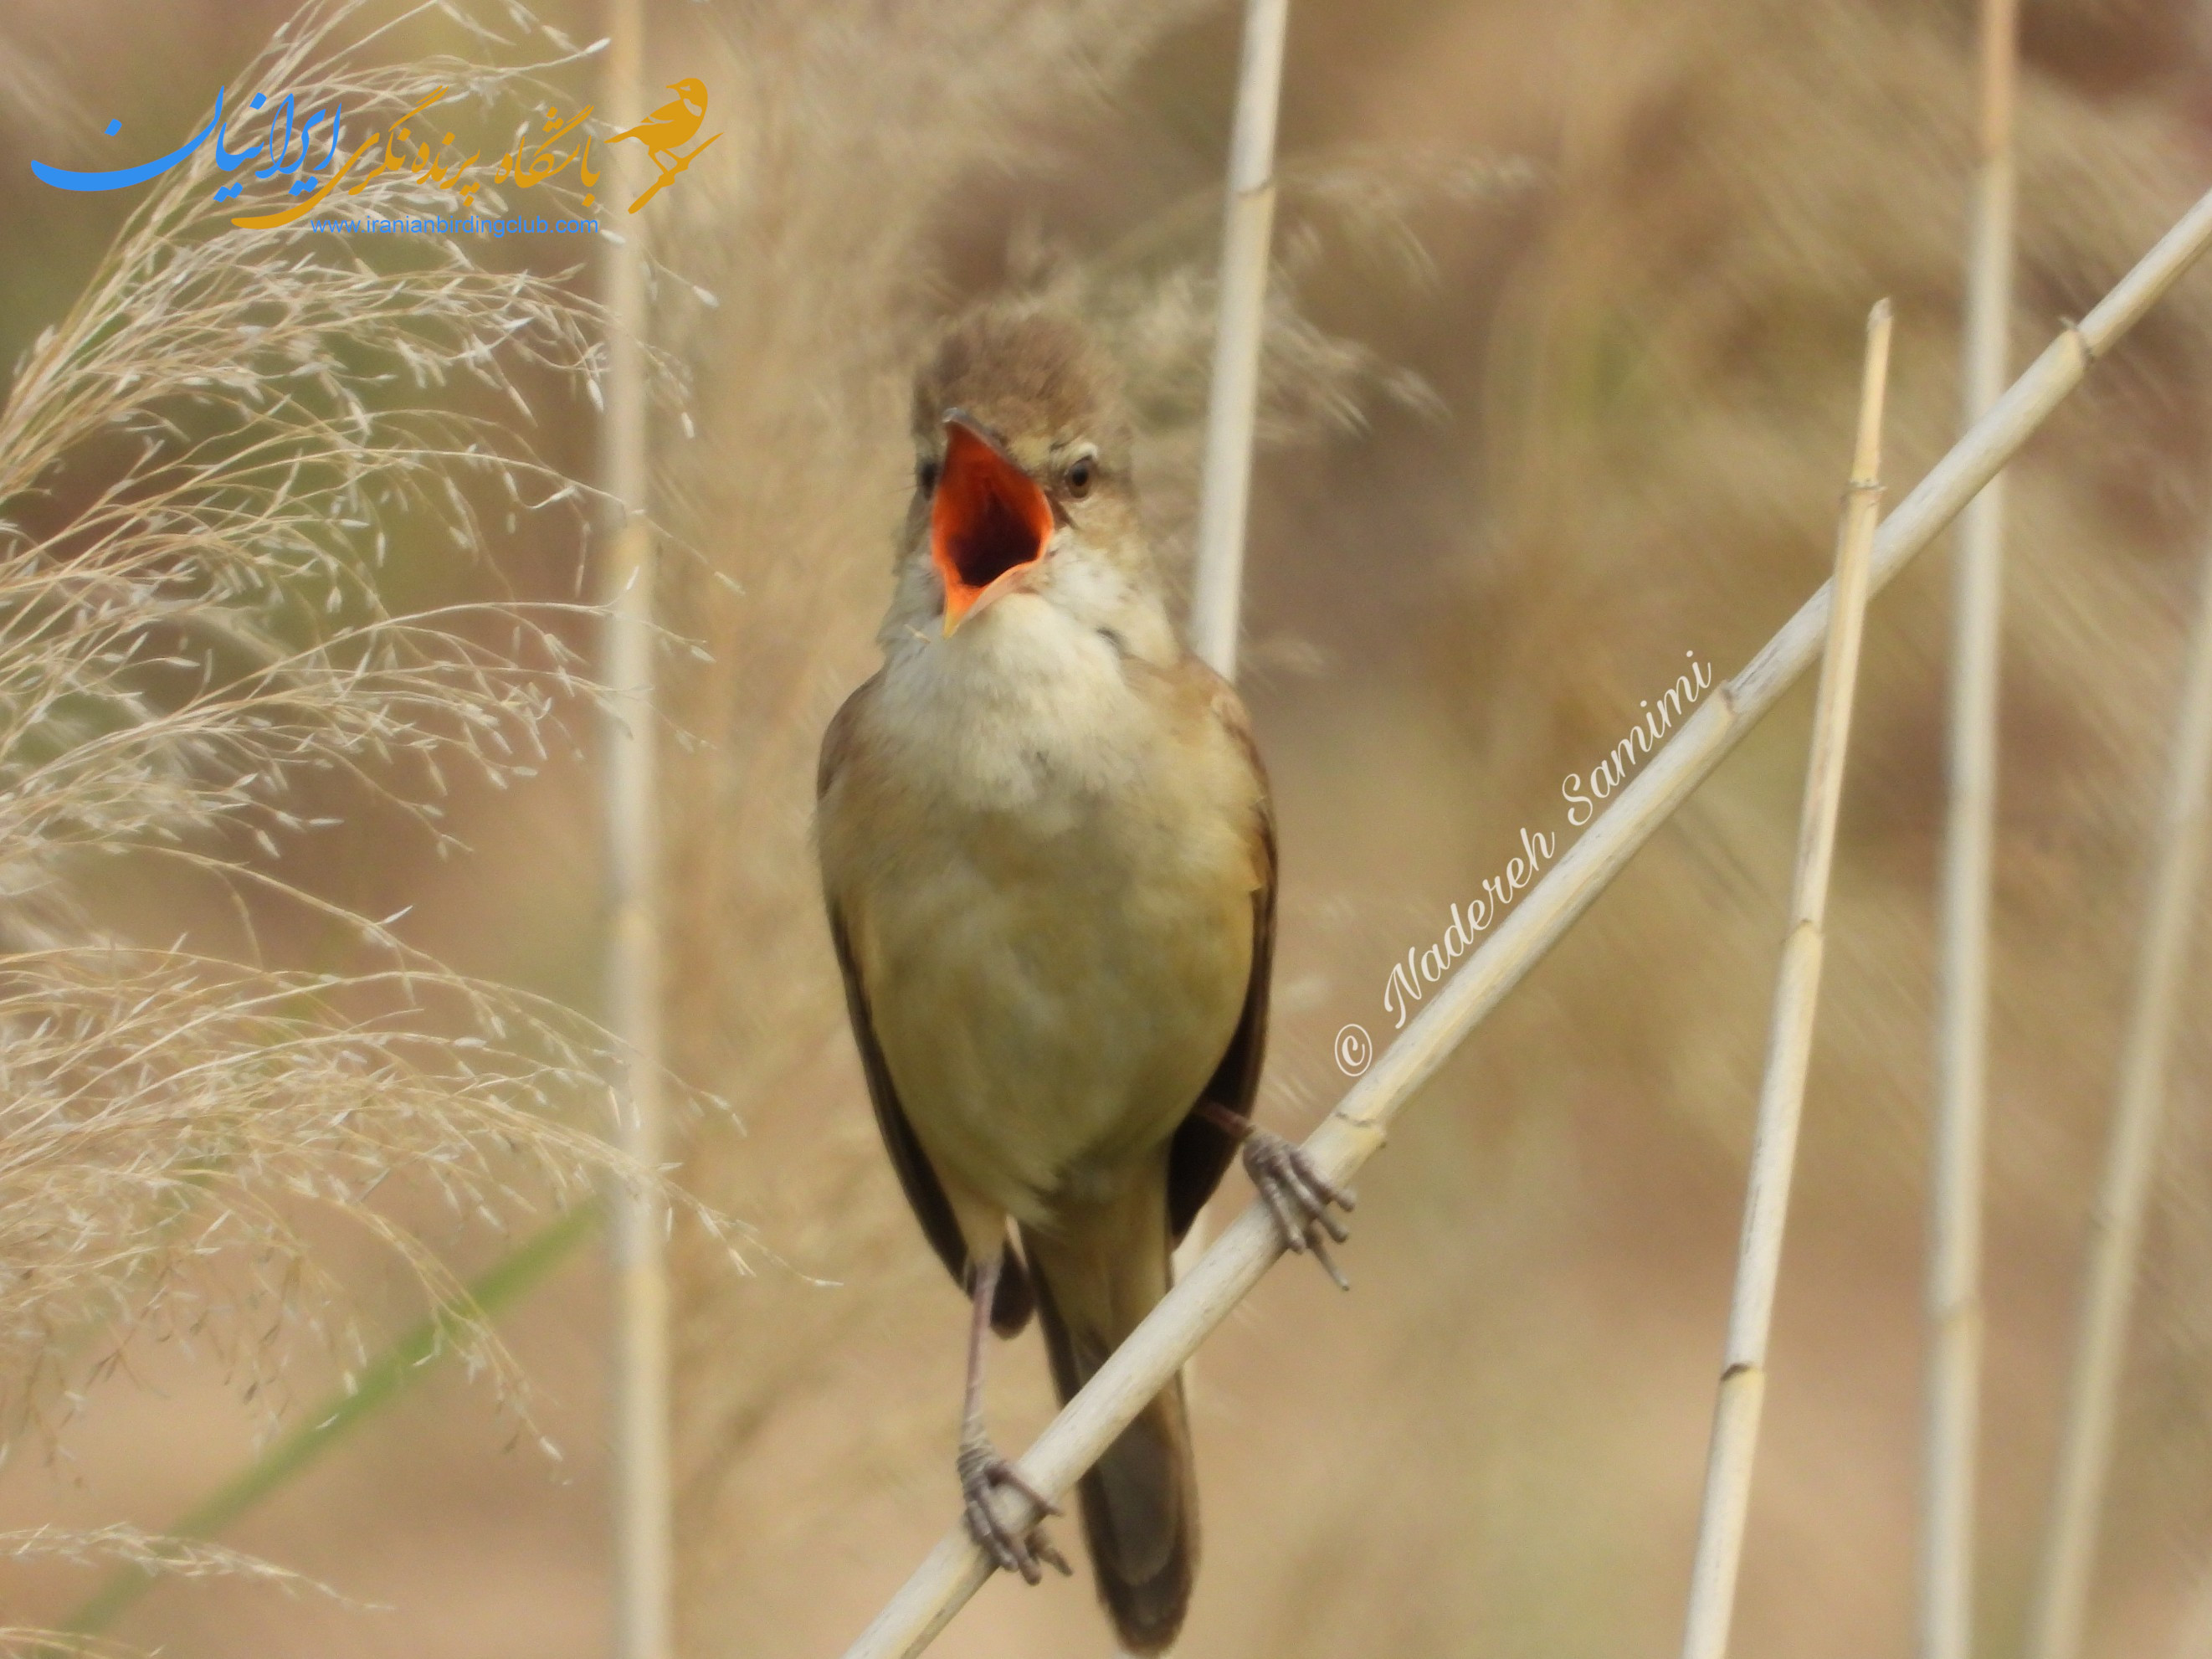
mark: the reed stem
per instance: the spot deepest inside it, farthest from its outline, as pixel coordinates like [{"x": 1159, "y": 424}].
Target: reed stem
[
  {"x": 1789, "y": 1043},
  {"x": 644, "y": 1583},
  {"x": 1954, "y": 1267},
  {"x": 1217, "y": 600},
  {"x": 1233, "y": 401},
  {"x": 2059, "y": 1609}
]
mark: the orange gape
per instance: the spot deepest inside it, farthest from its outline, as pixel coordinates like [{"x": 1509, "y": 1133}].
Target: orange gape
[{"x": 987, "y": 520}]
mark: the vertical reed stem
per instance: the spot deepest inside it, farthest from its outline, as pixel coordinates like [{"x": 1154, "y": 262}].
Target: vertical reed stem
[
  {"x": 1953, "y": 1290},
  {"x": 1217, "y": 598},
  {"x": 2062, "y": 1588},
  {"x": 637, "y": 1228},
  {"x": 1225, "y": 491},
  {"x": 2193, "y": 1636},
  {"x": 1789, "y": 1043}
]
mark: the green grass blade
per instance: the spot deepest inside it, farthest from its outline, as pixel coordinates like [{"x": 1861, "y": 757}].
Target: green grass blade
[{"x": 384, "y": 1380}]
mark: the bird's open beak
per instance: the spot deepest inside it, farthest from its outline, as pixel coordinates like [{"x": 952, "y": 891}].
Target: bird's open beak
[{"x": 987, "y": 521}]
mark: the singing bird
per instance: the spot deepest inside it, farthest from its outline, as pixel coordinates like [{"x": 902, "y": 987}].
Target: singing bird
[
  {"x": 674, "y": 122},
  {"x": 1049, "y": 857}
]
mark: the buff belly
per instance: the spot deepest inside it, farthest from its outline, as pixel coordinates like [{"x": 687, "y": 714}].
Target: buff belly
[{"x": 1047, "y": 1019}]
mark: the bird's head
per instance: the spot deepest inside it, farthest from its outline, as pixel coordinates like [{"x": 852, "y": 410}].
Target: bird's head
[
  {"x": 1022, "y": 481},
  {"x": 693, "y": 92}
]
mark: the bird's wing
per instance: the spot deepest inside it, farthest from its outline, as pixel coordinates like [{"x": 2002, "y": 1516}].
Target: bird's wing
[
  {"x": 1200, "y": 1150},
  {"x": 660, "y": 120},
  {"x": 925, "y": 1192}
]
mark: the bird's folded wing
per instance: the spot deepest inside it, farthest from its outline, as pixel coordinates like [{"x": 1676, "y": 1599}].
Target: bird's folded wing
[
  {"x": 1201, "y": 1150},
  {"x": 923, "y": 1189},
  {"x": 925, "y": 1192}
]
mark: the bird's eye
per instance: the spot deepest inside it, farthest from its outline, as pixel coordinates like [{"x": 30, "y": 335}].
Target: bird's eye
[
  {"x": 924, "y": 476},
  {"x": 1080, "y": 477}
]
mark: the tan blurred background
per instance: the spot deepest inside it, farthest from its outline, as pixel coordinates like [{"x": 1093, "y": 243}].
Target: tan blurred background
[{"x": 1628, "y": 250}]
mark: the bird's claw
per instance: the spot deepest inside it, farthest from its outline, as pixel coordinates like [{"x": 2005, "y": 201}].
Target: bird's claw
[
  {"x": 1298, "y": 1195},
  {"x": 985, "y": 1481}
]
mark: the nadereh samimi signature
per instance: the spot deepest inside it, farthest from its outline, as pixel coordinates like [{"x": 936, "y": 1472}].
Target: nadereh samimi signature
[{"x": 531, "y": 161}]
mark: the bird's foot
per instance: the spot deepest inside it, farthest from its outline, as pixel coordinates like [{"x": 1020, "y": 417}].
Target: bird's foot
[
  {"x": 1299, "y": 1196},
  {"x": 990, "y": 1486}
]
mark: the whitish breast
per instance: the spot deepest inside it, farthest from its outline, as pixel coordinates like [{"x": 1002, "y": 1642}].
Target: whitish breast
[{"x": 1058, "y": 955}]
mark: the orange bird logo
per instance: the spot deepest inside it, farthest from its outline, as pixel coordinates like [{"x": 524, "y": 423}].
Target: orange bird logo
[{"x": 666, "y": 132}]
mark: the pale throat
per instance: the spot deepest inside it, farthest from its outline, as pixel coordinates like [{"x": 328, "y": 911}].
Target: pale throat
[{"x": 1022, "y": 704}]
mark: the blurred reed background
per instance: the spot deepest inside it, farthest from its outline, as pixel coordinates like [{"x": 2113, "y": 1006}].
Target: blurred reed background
[{"x": 1560, "y": 388}]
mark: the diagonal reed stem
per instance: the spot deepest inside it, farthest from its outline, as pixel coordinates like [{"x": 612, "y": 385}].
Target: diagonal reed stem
[
  {"x": 1248, "y": 227},
  {"x": 1955, "y": 1250},
  {"x": 1789, "y": 1043},
  {"x": 385, "y": 1378},
  {"x": 1249, "y": 1245},
  {"x": 2061, "y": 1595}
]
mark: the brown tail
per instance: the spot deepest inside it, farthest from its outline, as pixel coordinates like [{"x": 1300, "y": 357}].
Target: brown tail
[{"x": 1140, "y": 1500}]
